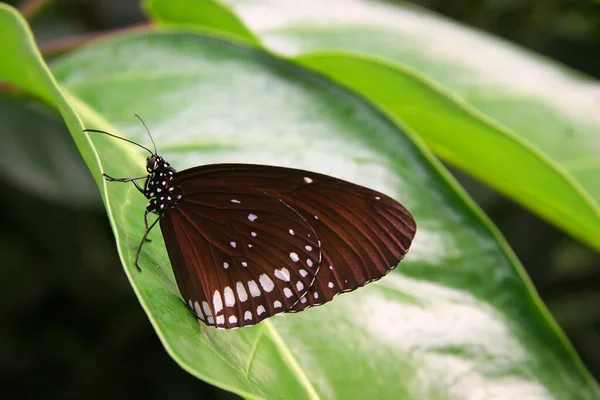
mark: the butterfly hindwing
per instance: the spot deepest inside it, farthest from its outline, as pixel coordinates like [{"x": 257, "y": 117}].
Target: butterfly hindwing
[
  {"x": 364, "y": 235},
  {"x": 239, "y": 254}
]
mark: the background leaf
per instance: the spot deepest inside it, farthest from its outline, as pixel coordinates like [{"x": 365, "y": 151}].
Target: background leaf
[
  {"x": 42, "y": 158},
  {"x": 211, "y": 15}
]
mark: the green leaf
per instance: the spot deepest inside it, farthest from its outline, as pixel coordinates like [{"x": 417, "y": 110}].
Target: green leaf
[
  {"x": 24, "y": 67},
  {"x": 457, "y": 317},
  {"x": 457, "y": 314},
  {"x": 510, "y": 118},
  {"x": 211, "y": 15}
]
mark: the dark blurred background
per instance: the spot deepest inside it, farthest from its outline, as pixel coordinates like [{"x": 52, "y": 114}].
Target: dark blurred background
[{"x": 65, "y": 298}]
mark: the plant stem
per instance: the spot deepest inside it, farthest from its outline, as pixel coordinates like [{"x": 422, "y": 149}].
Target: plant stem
[
  {"x": 60, "y": 46},
  {"x": 32, "y": 8}
]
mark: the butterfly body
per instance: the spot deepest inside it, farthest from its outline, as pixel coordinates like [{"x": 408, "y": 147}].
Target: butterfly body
[
  {"x": 160, "y": 185},
  {"x": 247, "y": 242}
]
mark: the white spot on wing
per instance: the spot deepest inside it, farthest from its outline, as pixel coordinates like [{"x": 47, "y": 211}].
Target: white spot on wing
[
  {"x": 316, "y": 295},
  {"x": 294, "y": 257},
  {"x": 198, "y": 310},
  {"x": 283, "y": 274},
  {"x": 288, "y": 293},
  {"x": 253, "y": 234},
  {"x": 308, "y": 248},
  {"x": 303, "y": 300},
  {"x": 377, "y": 198},
  {"x": 232, "y": 319},
  {"x": 291, "y": 231},
  {"x": 241, "y": 292},
  {"x": 299, "y": 285},
  {"x": 220, "y": 319},
  {"x": 303, "y": 272},
  {"x": 330, "y": 284},
  {"x": 308, "y": 180},
  {"x": 309, "y": 262},
  {"x": 206, "y": 309},
  {"x": 235, "y": 201},
  {"x": 232, "y": 244},
  {"x": 217, "y": 301},
  {"x": 225, "y": 265},
  {"x": 260, "y": 310},
  {"x": 244, "y": 264},
  {"x": 252, "y": 217},
  {"x": 254, "y": 290},
  {"x": 248, "y": 316},
  {"x": 277, "y": 304},
  {"x": 266, "y": 283},
  {"x": 229, "y": 296}
]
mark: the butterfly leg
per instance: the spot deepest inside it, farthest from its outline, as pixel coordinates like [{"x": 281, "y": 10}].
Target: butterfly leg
[
  {"x": 144, "y": 239},
  {"x": 134, "y": 180},
  {"x": 146, "y": 224}
]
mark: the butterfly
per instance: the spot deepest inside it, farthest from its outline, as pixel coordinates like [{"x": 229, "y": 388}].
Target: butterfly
[{"x": 247, "y": 242}]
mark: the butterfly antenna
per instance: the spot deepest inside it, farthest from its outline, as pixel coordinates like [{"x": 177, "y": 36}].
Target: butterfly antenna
[
  {"x": 119, "y": 137},
  {"x": 147, "y": 130}
]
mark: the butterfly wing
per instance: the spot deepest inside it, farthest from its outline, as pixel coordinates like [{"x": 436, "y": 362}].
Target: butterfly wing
[
  {"x": 239, "y": 254},
  {"x": 361, "y": 234}
]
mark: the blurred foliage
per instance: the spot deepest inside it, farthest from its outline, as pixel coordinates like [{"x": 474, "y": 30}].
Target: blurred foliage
[
  {"x": 566, "y": 30},
  {"x": 61, "y": 326}
]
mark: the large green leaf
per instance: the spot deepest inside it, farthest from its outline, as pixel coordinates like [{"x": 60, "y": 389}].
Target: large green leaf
[
  {"x": 520, "y": 123},
  {"x": 458, "y": 318}
]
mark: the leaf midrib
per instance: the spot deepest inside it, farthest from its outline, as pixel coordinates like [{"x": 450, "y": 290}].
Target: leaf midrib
[{"x": 291, "y": 361}]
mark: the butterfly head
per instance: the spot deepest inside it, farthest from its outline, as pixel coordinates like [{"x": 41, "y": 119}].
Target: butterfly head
[{"x": 155, "y": 163}]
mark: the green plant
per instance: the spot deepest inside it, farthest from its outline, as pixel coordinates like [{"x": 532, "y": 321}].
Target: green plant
[{"x": 367, "y": 102}]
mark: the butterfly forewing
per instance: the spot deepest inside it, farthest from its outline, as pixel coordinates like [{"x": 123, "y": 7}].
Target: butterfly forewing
[
  {"x": 239, "y": 254},
  {"x": 362, "y": 234}
]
